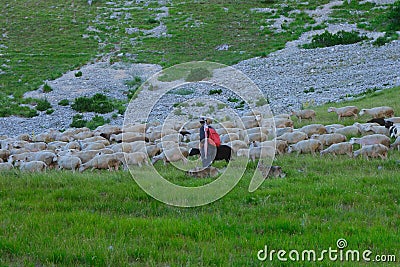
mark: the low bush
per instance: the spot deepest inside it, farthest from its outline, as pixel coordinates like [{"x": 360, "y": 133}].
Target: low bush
[
  {"x": 47, "y": 88},
  {"x": 78, "y": 74},
  {"x": 214, "y": 92},
  {"x": 42, "y": 104},
  {"x": 64, "y": 102},
  {"x": 98, "y": 103},
  {"x": 78, "y": 121},
  {"x": 133, "y": 86},
  {"x": 96, "y": 121},
  {"x": 327, "y": 39},
  {"x": 181, "y": 91},
  {"x": 393, "y": 17},
  {"x": 388, "y": 37}
]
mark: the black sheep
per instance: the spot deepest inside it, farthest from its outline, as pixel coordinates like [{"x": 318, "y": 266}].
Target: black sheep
[
  {"x": 224, "y": 152},
  {"x": 380, "y": 121}
]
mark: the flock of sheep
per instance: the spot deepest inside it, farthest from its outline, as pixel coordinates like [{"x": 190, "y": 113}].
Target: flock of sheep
[{"x": 252, "y": 136}]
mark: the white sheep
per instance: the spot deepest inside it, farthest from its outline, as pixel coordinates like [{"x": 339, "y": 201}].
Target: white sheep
[
  {"x": 136, "y": 158},
  {"x": 348, "y": 111},
  {"x": 348, "y": 130},
  {"x": 293, "y": 137},
  {"x": 31, "y": 166},
  {"x": 249, "y": 121},
  {"x": 35, "y": 147},
  {"x": 102, "y": 161},
  {"x": 308, "y": 114},
  {"x": 394, "y": 119},
  {"x": 83, "y": 135},
  {"x": 306, "y": 146},
  {"x": 260, "y": 137},
  {"x": 93, "y": 146},
  {"x": 73, "y": 145},
  {"x": 313, "y": 129},
  {"x": 243, "y": 152},
  {"x": 135, "y": 128},
  {"x": 371, "y": 140},
  {"x": 228, "y": 138},
  {"x": 373, "y": 151},
  {"x": 47, "y": 157},
  {"x": 152, "y": 150},
  {"x": 396, "y": 144},
  {"x": 69, "y": 163},
  {"x": 329, "y": 139},
  {"x": 236, "y": 145},
  {"x": 172, "y": 155},
  {"x": 339, "y": 149},
  {"x": 127, "y": 137},
  {"x": 281, "y": 122},
  {"x": 6, "y": 166},
  {"x": 99, "y": 139},
  {"x": 282, "y": 131},
  {"x": 261, "y": 152},
  {"x": 378, "y": 112},
  {"x": 17, "y": 157},
  {"x": 331, "y": 128},
  {"x": 86, "y": 156}
]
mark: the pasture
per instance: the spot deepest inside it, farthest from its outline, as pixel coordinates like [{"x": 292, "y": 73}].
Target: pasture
[{"x": 104, "y": 218}]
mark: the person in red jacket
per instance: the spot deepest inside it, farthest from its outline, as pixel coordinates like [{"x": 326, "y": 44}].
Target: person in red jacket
[{"x": 207, "y": 150}]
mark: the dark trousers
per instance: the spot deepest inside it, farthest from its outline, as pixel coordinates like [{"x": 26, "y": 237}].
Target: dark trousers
[{"x": 211, "y": 152}]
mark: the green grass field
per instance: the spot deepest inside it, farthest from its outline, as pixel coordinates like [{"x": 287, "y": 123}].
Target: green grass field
[{"x": 105, "y": 219}]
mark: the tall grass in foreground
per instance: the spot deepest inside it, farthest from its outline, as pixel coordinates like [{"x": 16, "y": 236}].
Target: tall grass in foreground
[{"x": 104, "y": 218}]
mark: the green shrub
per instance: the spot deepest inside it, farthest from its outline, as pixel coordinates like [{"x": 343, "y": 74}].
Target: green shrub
[
  {"x": 64, "y": 102},
  {"x": 96, "y": 121},
  {"x": 233, "y": 99},
  {"x": 198, "y": 74},
  {"x": 181, "y": 91},
  {"x": 98, "y": 103},
  {"x": 47, "y": 88},
  {"x": 388, "y": 37},
  {"x": 152, "y": 21},
  {"x": 78, "y": 121},
  {"x": 42, "y": 104},
  {"x": 78, "y": 74},
  {"x": 327, "y": 39},
  {"x": 393, "y": 17},
  {"x": 49, "y": 111},
  {"x": 214, "y": 92},
  {"x": 240, "y": 105},
  {"x": 133, "y": 86}
]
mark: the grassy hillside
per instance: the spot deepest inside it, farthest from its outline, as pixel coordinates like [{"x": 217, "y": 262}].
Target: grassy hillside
[
  {"x": 103, "y": 218},
  {"x": 41, "y": 40},
  {"x": 369, "y": 99}
]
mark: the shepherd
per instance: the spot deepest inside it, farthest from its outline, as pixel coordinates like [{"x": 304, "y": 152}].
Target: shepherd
[{"x": 209, "y": 141}]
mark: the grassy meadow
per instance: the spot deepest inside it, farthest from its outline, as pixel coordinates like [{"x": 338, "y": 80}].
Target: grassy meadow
[{"x": 105, "y": 219}]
